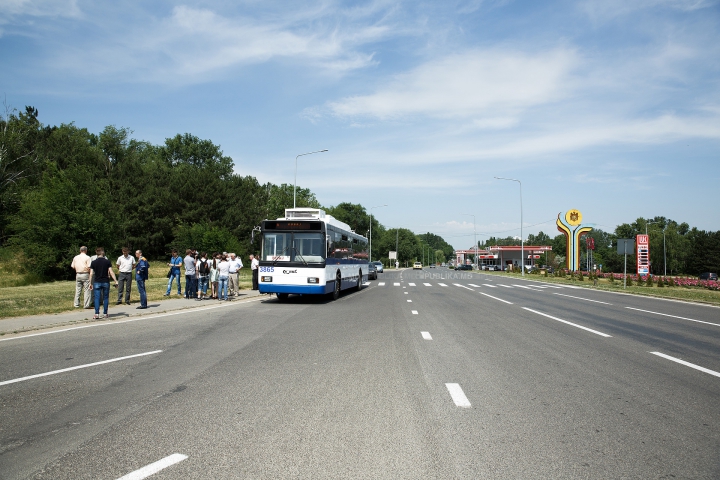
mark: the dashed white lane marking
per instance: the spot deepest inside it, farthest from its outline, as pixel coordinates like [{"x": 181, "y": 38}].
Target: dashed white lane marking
[
  {"x": 396, "y": 284},
  {"x": 426, "y": 335},
  {"x": 153, "y": 468},
  {"x": 458, "y": 395},
  {"x": 473, "y": 285},
  {"x": 495, "y": 298},
  {"x": 525, "y": 286},
  {"x": 7, "y": 382},
  {"x": 463, "y": 286},
  {"x": 427, "y": 284},
  {"x": 503, "y": 285},
  {"x": 381, "y": 284},
  {"x": 405, "y": 293},
  {"x": 411, "y": 284},
  {"x": 442, "y": 284},
  {"x": 687, "y": 364},
  {"x": 414, "y": 312},
  {"x": 409, "y": 301},
  {"x": 488, "y": 285},
  {"x": 568, "y": 323},
  {"x": 580, "y": 298},
  {"x": 366, "y": 284},
  {"x": 674, "y": 316}
]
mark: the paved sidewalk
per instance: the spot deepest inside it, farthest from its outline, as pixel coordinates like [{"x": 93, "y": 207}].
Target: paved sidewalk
[{"x": 79, "y": 315}]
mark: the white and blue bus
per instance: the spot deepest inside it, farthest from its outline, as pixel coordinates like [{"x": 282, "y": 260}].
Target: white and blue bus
[{"x": 311, "y": 253}]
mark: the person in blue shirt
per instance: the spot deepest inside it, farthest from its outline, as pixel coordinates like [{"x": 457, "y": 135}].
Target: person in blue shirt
[
  {"x": 175, "y": 262},
  {"x": 141, "y": 274}
]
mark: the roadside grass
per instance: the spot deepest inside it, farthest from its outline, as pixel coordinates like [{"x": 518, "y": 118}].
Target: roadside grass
[
  {"x": 19, "y": 299},
  {"x": 690, "y": 294}
]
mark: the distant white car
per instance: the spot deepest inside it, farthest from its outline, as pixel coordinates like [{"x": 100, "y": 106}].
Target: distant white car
[
  {"x": 417, "y": 266},
  {"x": 378, "y": 266}
]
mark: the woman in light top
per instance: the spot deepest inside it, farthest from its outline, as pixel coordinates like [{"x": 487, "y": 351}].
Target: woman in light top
[
  {"x": 214, "y": 276},
  {"x": 224, "y": 271}
]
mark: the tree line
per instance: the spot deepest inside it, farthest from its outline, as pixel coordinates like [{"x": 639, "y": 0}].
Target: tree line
[{"x": 63, "y": 186}]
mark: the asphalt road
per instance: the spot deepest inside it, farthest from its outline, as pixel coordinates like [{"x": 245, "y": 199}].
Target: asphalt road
[{"x": 431, "y": 374}]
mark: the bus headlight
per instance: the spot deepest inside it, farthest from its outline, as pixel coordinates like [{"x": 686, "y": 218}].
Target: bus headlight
[
  {"x": 266, "y": 279},
  {"x": 313, "y": 280}
]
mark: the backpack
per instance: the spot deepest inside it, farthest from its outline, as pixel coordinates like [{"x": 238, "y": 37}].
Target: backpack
[{"x": 204, "y": 267}]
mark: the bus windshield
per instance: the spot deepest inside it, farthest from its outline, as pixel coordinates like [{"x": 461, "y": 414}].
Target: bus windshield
[{"x": 294, "y": 247}]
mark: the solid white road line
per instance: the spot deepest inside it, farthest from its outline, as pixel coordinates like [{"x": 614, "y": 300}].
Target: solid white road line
[
  {"x": 463, "y": 286},
  {"x": 674, "y": 316},
  {"x": 7, "y": 382},
  {"x": 580, "y": 298},
  {"x": 411, "y": 284},
  {"x": 137, "y": 319},
  {"x": 426, "y": 335},
  {"x": 569, "y": 323},
  {"x": 427, "y": 284},
  {"x": 687, "y": 364},
  {"x": 458, "y": 395},
  {"x": 491, "y": 286},
  {"x": 396, "y": 284},
  {"x": 473, "y": 285},
  {"x": 381, "y": 284},
  {"x": 414, "y": 312},
  {"x": 442, "y": 284},
  {"x": 502, "y": 285},
  {"x": 153, "y": 468},
  {"x": 500, "y": 299}
]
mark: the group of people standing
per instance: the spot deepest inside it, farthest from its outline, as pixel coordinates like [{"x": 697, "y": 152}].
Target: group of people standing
[
  {"x": 93, "y": 274},
  {"x": 218, "y": 273}
]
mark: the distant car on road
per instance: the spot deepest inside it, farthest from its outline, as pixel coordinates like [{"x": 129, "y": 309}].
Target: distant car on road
[
  {"x": 378, "y": 266},
  {"x": 417, "y": 266},
  {"x": 372, "y": 271},
  {"x": 432, "y": 265},
  {"x": 708, "y": 276},
  {"x": 463, "y": 267}
]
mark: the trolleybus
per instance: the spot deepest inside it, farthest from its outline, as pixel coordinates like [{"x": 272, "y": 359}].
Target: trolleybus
[{"x": 310, "y": 253}]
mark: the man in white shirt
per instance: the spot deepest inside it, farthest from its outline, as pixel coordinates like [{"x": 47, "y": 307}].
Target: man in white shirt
[
  {"x": 235, "y": 266},
  {"x": 254, "y": 264},
  {"x": 125, "y": 263},
  {"x": 81, "y": 265}
]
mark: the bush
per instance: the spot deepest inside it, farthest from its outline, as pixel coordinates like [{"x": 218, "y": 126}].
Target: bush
[
  {"x": 660, "y": 282},
  {"x": 628, "y": 279},
  {"x": 580, "y": 276},
  {"x": 611, "y": 278},
  {"x": 649, "y": 280}
]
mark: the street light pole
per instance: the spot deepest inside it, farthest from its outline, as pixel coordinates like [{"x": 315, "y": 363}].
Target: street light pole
[
  {"x": 475, "y": 233},
  {"x": 371, "y": 217},
  {"x": 522, "y": 240},
  {"x": 296, "y": 159}
]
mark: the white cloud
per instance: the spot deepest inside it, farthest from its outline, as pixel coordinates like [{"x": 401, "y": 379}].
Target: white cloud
[
  {"x": 479, "y": 82},
  {"x": 609, "y": 9}
]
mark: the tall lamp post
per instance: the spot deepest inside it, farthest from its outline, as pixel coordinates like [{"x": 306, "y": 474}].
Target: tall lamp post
[
  {"x": 475, "y": 233},
  {"x": 522, "y": 240},
  {"x": 371, "y": 216},
  {"x": 296, "y": 159}
]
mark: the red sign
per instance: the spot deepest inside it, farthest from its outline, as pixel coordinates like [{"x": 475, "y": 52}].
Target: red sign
[
  {"x": 642, "y": 244},
  {"x": 590, "y": 243}
]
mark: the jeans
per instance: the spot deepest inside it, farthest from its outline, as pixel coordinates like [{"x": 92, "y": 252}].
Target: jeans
[
  {"x": 223, "y": 284},
  {"x": 141, "y": 290},
  {"x": 124, "y": 280},
  {"x": 173, "y": 276},
  {"x": 203, "y": 284},
  {"x": 101, "y": 290},
  {"x": 190, "y": 286},
  {"x": 82, "y": 285}
]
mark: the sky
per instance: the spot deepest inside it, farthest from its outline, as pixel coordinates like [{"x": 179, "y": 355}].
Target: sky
[{"x": 611, "y": 107}]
